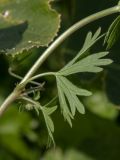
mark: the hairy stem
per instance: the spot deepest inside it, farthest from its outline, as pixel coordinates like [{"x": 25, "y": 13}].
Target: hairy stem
[{"x": 13, "y": 96}]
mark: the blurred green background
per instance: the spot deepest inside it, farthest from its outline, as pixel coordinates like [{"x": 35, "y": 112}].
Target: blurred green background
[{"x": 95, "y": 135}]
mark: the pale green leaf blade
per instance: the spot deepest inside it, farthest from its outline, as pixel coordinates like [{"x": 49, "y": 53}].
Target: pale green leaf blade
[
  {"x": 113, "y": 33},
  {"x": 70, "y": 91},
  {"x": 97, "y": 33},
  {"x": 80, "y": 107},
  {"x": 89, "y": 41},
  {"x": 49, "y": 125},
  {"x": 71, "y": 102},
  {"x": 50, "y": 110},
  {"x": 90, "y": 63},
  {"x": 74, "y": 88},
  {"x": 69, "y": 97},
  {"x": 63, "y": 104},
  {"x": 26, "y": 24}
]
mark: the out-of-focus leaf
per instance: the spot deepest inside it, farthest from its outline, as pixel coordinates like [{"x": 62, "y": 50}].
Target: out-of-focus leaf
[
  {"x": 54, "y": 155},
  {"x": 113, "y": 33},
  {"x": 68, "y": 155},
  {"x": 90, "y": 130},
  {"x": 76, "y": 155},
  {"x": 119, "y": 3},
  {"x": 26, "y": 24},
  {"x": 12, "y": 130},
  {"x": 100, "y": 105}
]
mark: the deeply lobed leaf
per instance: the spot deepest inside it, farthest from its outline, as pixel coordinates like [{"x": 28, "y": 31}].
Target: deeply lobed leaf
[
  {"x": 89, "y": 41},
  {"x": 91, "y": 63},
  {"x": 67, "y": 93}
]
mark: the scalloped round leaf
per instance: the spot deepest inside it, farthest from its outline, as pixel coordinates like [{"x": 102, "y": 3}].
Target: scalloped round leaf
[{"x": 25, "y": 24}]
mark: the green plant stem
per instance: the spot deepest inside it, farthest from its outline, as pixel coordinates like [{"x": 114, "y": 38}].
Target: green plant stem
[
  {"x": 34, "y": 89},
  {"x": 13, "y": 96},
  {"x": 66, "y": 34},
  {"x": 41, "y": 75},
  {"x": 19, "y": 77}
]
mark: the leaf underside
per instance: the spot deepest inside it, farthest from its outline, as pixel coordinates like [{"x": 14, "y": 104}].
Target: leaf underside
[{"x": 26, "y": 24}]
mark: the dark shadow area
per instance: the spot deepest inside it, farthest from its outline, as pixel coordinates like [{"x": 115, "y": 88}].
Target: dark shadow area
[
  {"x": 11, "y": 36},
  {"x": 113, "y": 76}
]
